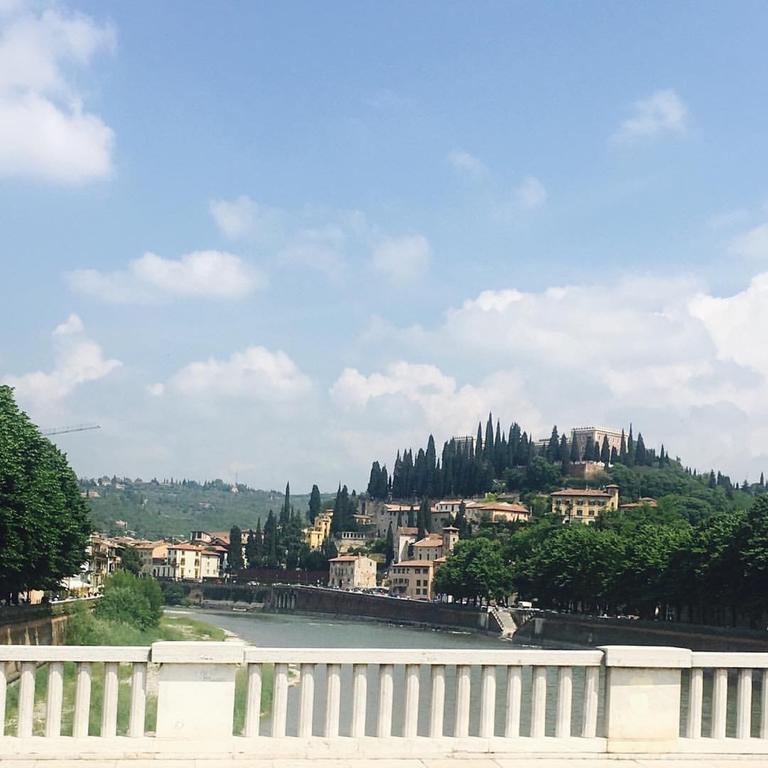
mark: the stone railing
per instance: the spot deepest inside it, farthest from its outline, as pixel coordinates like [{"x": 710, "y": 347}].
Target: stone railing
[{"x": 231, "y": 698}]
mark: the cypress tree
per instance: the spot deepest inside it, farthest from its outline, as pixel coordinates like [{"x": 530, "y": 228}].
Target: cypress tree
[
  {"x": 630, "y": 449},
  {"x": 479, "y": 441},
  {"x": 574, "y": 456},
  {"x": 285, "y": 514},
  {"x": 250, "y": 550},
  {"x": 390, "y": 545},
  {"x": 315, "y": 503},
  {"x": 640, "y": 453},
  {"x": 623, "y": 449},
  {"x": 235, "y": 550},
  {"x": 553, "y": 447},
  {"x": 488, "y": 447},
  {"x": 605, "y": 452}
]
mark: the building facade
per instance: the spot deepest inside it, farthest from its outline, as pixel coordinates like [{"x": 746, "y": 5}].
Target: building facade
[
  {"x": 351, "y": 572},
  {"x": 575, "y": 505}
]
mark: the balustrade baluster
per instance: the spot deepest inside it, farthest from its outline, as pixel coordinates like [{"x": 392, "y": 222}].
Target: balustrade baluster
[
  {"x": 307, "y": 701},
  {"x": 26, "y": 699},
  {"x": 695, "y": 704},
  {"x": 437, "y": 705},
  {"x": 564, "y": 698},
  {"x": 764, "y": 706},
  {"x": 280, "y": 700},
  {"x": 3, "y": 690},
  {"x": 82, "y": 699},
  {"x": 487, "y": 700},
  {"x": 333, "y": 700},
  {"x": 138, "y": 700},
  {"x": 719, "y": 703},
  {"x": 463, "y": 686},
  {"x": 55, "y": 697},
  {"x": 591, "y": 682},
  {"x": 744, "y": 704},
  {"x": 538, "y": 702},
  {"x": 109, "y": 703},
  {"x": 411, "y": 724},
  {"x": 253, "y": 701},
  {"x": 386, "y": 693},
  {"x": 514, "y": 696}
]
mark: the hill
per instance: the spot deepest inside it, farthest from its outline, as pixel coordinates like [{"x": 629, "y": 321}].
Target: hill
[{"x": 153, "y": 509}]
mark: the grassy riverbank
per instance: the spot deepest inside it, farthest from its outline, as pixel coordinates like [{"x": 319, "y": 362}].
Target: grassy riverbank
[{"x": 88, "y": 630}]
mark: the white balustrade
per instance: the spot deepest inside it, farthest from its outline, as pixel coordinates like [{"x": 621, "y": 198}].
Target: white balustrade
[{"x": 498, "y": 698}]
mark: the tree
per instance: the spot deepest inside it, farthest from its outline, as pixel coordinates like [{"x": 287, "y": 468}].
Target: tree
[
  {"x": 475, "y": 569},
  {"x": 44, "y": 523},
  {"x": 390, "y": 549},
  {"x": 605, "y": 452},
  {"x": 575, "y": 455},
  {"x": 285, "y": 514},
  {"x": 315, "y": 503},
  {"x": 235, "y": 551},
  {"x": 553, "y": 447},
  {"x": 251, "y": 557},
  {"x": 130, "y": 600},
  {"x": 130, "y": 560}
]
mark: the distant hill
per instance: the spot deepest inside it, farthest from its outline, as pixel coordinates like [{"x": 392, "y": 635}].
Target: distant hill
[{"x": 154, "y": 509}]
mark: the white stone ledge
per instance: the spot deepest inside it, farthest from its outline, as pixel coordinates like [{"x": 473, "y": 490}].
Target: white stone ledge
[
  {"x": 645, "y": 656},
  {"x": 43, "y": 653},
  {"x": 194, "y": 652},
  {"x": 718, "y": 660},
  {"x": 512, "y": 657}
]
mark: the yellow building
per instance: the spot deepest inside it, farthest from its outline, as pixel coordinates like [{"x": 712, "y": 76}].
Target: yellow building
[
  {"x": 153, "y": 555},
  {"x": 321, "y": 530},
  {"x": 497, "y": 512},
  {"x": 436, "y": 545},
  {"x": 188, "y": 562},
  {"x": 412, "y": 579},
  {"x": 575, "y": 505},
  {"x": 351, "y": 572}
]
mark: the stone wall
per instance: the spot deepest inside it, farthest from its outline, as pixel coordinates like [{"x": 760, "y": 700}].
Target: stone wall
[
  {"x": 352, "y": 605},
  {"x": 573, "y": 631}
]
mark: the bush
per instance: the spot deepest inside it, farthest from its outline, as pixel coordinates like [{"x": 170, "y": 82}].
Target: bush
[
  {"x": 130, "y": 600},
  {"x": 173, "y": 593}
]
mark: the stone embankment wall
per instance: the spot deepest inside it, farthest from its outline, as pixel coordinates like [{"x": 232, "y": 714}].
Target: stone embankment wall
[
  {"x": 350, "y": 605},
  {"x": 31, "y": 625},
  {"x": 573, "y": 631}
]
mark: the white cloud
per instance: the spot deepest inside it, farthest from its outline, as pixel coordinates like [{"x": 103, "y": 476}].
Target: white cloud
[
  {"x": 78, "y": 360},
  {"x": 213, "y": 275},
  {"x": 402, "y": 259},
  {"x": 44, "y": 131},
  {"x": 737, "y": 324},
  {"x": 752, "y": 244},
  {"x": 73, "y": 324},
  {"x": 468, "y": 164},
  {"x": 662, "y": 112},
  {"x": 436, "y": 399},
  {"x": 530, "y": 193},
  {"x": 256, "y": 373},
  {"x": 245, "y": 218}
]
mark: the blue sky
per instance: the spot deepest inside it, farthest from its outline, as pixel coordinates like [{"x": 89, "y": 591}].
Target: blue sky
[{"x": 279, "y": 240}]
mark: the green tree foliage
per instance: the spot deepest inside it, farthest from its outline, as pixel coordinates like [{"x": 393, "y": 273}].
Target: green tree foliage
[
  {"x": 390, "y": 546},
  {"x": 251, "y": 550},
  {"x": 44, "y": 522},
  {"x": 130, "y": 600},
  {"x": 315, "y": 504},
  {"x": 235, "y": 550},
  {"x": 130, "y": 560},
  {"x": 475, "y": 570}
]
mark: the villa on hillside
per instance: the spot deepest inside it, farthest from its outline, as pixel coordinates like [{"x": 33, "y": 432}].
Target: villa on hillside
[
  {"x": 351, "y": 572},
  {"x": 584, "y": 505}
]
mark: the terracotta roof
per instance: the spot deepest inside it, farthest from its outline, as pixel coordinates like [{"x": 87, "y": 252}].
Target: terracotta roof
[
  {"x": 430, "y": 541},
  {"x": 407, "y": 531},
  {"x": 343, "y": 559},
  {"x": 581, "y": 492},
  {"x": 503, "y": 506},
  {"x": 413, "y": 563}
]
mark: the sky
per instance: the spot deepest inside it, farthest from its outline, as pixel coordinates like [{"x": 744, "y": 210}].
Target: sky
[{"x": 276, "y": 241}]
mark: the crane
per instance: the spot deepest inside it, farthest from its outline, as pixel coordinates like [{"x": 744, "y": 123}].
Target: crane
[{"x": 73, "y": 428}]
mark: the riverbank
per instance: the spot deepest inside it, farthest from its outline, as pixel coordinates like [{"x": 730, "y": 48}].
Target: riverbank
[{"x": 562, "y": 630}]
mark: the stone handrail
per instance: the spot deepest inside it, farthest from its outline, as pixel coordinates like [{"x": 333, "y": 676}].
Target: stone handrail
[{"x": 619, "y": 699}]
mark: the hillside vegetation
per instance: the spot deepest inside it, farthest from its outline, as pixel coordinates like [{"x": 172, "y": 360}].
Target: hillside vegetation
[{"x": 154, "y": 509}]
